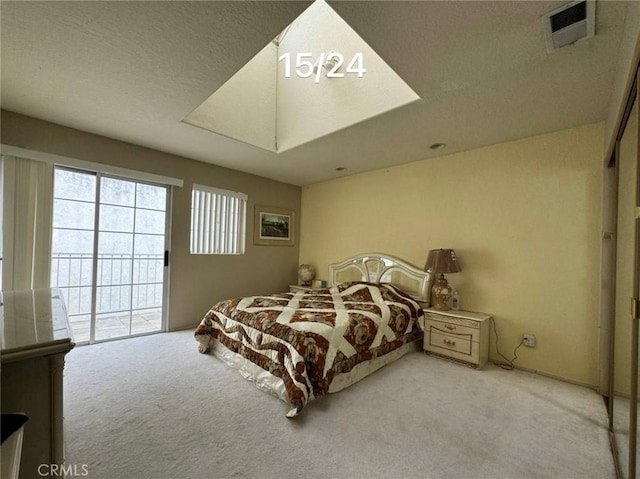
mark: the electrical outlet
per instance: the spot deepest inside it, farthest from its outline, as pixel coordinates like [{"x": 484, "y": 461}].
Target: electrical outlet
[{"x": 529, "y": 340}]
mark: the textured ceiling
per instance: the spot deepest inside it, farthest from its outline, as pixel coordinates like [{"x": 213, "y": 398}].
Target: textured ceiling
[{"x": 133, "y": 70}]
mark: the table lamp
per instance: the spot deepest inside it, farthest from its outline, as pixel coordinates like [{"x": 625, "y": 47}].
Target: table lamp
[{"x": 441, "y": 261}]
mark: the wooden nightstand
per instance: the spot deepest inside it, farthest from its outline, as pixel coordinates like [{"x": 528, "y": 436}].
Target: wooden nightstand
[
  {"x": 294, "y": 288},
  {"x": 459, "y": 335}
]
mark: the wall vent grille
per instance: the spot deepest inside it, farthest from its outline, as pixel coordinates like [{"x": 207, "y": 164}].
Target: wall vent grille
[{"x": 569, "y": 24}]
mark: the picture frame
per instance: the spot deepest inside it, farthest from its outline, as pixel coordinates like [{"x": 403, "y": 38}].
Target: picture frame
[{"x": 273, "y": 226}]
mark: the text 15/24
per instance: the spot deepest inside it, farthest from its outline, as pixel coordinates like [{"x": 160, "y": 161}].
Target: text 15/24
[{"x": 305, "y": 67}]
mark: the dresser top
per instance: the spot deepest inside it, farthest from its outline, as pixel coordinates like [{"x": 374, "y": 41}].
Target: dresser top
[{"x": 33, "y": 323}]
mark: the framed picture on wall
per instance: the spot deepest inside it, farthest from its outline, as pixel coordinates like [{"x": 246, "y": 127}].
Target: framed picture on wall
[{"x": 273, "y": 226}]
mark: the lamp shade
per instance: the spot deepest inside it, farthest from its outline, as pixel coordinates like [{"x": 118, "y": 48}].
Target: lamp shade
[{"x": 442, "y": 261}]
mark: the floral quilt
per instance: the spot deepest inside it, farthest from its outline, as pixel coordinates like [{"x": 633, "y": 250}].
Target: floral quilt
[{"x": 307, "y": 338}]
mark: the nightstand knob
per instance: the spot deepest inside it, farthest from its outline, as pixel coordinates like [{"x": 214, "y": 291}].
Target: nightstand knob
[{"x": 449, "y": 327}]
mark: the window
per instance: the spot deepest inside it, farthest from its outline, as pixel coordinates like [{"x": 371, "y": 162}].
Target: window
[{"x": 218, "y": 220}]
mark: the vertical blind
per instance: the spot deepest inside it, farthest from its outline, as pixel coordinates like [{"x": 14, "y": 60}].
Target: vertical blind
[{"x": 218, "y": 219}]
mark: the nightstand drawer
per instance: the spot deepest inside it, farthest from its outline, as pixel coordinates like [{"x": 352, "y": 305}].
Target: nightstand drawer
[
  {"x": 459, "y": 343},
  {"x": 457, "y": 347},
  {"x": 454, "y": 327}
]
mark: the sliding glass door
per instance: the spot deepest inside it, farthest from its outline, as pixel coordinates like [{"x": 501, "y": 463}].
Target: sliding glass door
[{"x": 108, "y": 254}]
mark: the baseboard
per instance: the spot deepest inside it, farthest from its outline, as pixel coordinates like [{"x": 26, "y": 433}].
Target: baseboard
[{"x": 559, "y": 378}]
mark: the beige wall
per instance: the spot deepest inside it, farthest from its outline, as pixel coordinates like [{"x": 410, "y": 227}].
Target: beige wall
[
  {"x": 197, "y": 281},
  {"x": 524, "y": 218}
]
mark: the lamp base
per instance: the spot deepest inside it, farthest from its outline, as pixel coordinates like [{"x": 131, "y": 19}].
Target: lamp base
[{"x": 441, "y": 294}]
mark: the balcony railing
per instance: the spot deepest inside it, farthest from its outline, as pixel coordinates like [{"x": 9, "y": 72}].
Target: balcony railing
[{"x": 129, "y": 293}]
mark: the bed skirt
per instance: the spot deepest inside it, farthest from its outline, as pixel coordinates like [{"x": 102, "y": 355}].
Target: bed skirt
[{"x": 267, "y": 382}]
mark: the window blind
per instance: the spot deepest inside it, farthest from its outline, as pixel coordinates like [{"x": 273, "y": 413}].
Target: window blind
[{"x": 218, "y": 219}]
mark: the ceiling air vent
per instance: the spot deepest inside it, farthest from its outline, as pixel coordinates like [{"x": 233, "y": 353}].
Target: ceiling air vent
[{"x": 568, "y": 24}]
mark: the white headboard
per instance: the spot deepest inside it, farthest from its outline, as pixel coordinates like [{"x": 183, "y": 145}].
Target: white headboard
[{"x": 382, "y": 268}]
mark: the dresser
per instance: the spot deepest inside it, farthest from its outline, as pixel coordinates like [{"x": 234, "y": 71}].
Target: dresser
[
  {"x": 34, "y": 338},
  {"x": 458, "y": 335}
]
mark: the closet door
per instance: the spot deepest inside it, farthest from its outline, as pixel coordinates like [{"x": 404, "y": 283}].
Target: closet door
[
  {"x": 625, "y": 353},
  {"x": 634, "y": 450}
]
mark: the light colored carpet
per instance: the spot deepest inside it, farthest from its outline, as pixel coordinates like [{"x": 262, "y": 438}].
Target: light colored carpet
[{"x": 153, "y": 407}]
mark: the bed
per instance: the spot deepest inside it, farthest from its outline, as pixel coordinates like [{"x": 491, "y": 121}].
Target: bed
[{"x": 302, "y": 345}]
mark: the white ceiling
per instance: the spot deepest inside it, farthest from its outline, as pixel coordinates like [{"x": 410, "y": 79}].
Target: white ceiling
[{"x": 133, "y": 70}]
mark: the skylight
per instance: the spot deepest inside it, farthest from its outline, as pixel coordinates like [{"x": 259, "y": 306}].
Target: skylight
[{"x": 317, "y": 77}]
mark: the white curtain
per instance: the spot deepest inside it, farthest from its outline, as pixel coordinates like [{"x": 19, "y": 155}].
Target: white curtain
[{"x": 27, "y": 204}]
